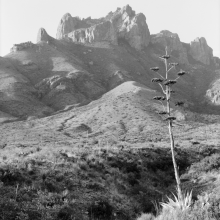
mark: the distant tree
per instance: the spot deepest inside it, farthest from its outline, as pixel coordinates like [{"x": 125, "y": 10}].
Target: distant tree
[{"x": 166, "y": 86}]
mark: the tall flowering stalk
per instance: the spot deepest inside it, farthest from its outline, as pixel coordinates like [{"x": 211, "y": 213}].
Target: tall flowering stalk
[{"x": 166, "y": 86}]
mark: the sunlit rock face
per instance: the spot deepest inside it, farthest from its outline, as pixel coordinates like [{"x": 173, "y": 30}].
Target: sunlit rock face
[
  {"x": 172, "y": 42},
  {"x": 124, "y": 24},
  {"x": 131, "y": 27},
  {"x": 68, "y": 24},
  {"x": 96, "y": 33},
  {"x": 42, "y": 35},
  {"x": 200, "y": 51}
]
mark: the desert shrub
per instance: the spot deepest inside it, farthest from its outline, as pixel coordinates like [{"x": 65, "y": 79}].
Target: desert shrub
[
  {"x": 100, "y": 210},
  {"x": 207, "y": 150},
  {"x": 66, "y": 213},
  {"x": 207, "y": 207},
  {"x": 8, "y": 209},
  {"x": 145, "y": 216},
  {"x": 209, "y": 163},
  {"x": 11, "y": 176},
  {"x": 172, "y": 215}
]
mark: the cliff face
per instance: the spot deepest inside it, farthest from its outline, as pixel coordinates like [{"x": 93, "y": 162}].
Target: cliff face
[
  {"x": 43, "y": 36},
  {"x": 68, "y": 24},
  {"x": 122, "y": 24},
  {"x": 173, "y": 43},
  {"x": 131, "y": 27},
  {"x": 200, "y": 50},
  {"x": 100, "y": 32}
]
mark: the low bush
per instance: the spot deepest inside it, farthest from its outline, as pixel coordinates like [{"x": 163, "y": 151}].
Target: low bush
[
  {"x": 207, "y": 164},
  {"x": 146, "y": 217}
]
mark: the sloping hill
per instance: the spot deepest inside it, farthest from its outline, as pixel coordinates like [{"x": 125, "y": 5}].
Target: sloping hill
[
  {"x": 126, "y": 116},
  {"x": 18, "y": 96}
]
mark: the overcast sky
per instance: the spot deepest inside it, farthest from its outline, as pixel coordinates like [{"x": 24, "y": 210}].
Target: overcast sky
[{"x": 20, "y": 20}]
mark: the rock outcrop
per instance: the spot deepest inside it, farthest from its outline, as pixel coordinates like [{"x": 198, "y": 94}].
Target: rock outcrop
[
  {"x": 131, "y": 27},
  {"x": 173, "y": 43},
  {"x": 122, "y": 24},
  {"x": 67, "y": 24},
  {"x": 100, "y": 32},
  {"x": 43, "y": 36},
  {"x": 200, "y": 51},
  {"x": 76, "y": 87},
  {"x": 216, "y": 61},
  {"x": 22, "y": 46}
]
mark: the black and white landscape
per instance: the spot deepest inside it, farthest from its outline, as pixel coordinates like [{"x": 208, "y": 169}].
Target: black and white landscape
[{"x": 81, "y": 137}]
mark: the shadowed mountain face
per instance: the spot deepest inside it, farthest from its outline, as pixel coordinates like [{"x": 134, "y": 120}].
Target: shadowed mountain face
[{"x": 93, "y": 56}]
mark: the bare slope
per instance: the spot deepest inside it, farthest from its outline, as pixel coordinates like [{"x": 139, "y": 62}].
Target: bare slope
[
  {"x": 124, "y": 117},
  {"x": 18, "y": 96}
]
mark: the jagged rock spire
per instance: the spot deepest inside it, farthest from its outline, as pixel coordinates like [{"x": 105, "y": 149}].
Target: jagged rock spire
[{"x": 42, "y": 35}]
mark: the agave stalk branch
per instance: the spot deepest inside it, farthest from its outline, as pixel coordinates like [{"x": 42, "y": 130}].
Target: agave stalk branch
[
  {"x": 170, "y": 69},
  {"x": 177, "y": 78},
  {"x": 160, "y": 75},
  {"x": 162, "y": 88}
]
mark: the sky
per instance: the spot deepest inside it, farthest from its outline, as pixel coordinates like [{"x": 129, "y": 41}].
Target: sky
[{"x": 20, "y": 20}]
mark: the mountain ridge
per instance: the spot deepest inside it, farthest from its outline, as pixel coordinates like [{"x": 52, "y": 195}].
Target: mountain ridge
[{"x": 92, "y": 56}]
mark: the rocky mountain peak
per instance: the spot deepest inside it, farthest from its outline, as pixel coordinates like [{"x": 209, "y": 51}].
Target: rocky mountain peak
[
  {"x": 65, "y": 17},
  {"x": 121, "y": 24},
  {"x": 127, "y": 9},
  {"x": 172, "y": 41},
  {"x": 42, "y": 35},
  {"x": 68, "y": 24},
  {"x": 167, "y": 33},
  {"x": 200, "y": 50}
]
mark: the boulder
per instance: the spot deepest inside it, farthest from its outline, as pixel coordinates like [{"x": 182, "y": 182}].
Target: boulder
[
  {"x": 173, "y": 43},
  {"x": 200, "y": 51}
]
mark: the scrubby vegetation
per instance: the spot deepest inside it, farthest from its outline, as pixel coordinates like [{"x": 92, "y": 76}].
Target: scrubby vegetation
[
  {"x": 118, "y": 184},
  {"x": 109, "y": 184},
  {"x": 203, "y": 178}
]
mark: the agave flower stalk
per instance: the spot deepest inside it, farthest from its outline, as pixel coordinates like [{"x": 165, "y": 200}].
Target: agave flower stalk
[
  {"x": 170, "y": 125},
  {"x": 165, "y": 83}
]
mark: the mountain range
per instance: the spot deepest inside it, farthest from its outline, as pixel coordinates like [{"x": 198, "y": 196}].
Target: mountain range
[{"x": 89, "y": 57}]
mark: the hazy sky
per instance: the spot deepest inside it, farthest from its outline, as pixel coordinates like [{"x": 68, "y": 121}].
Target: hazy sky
[{"x": 21, "y": 19}]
